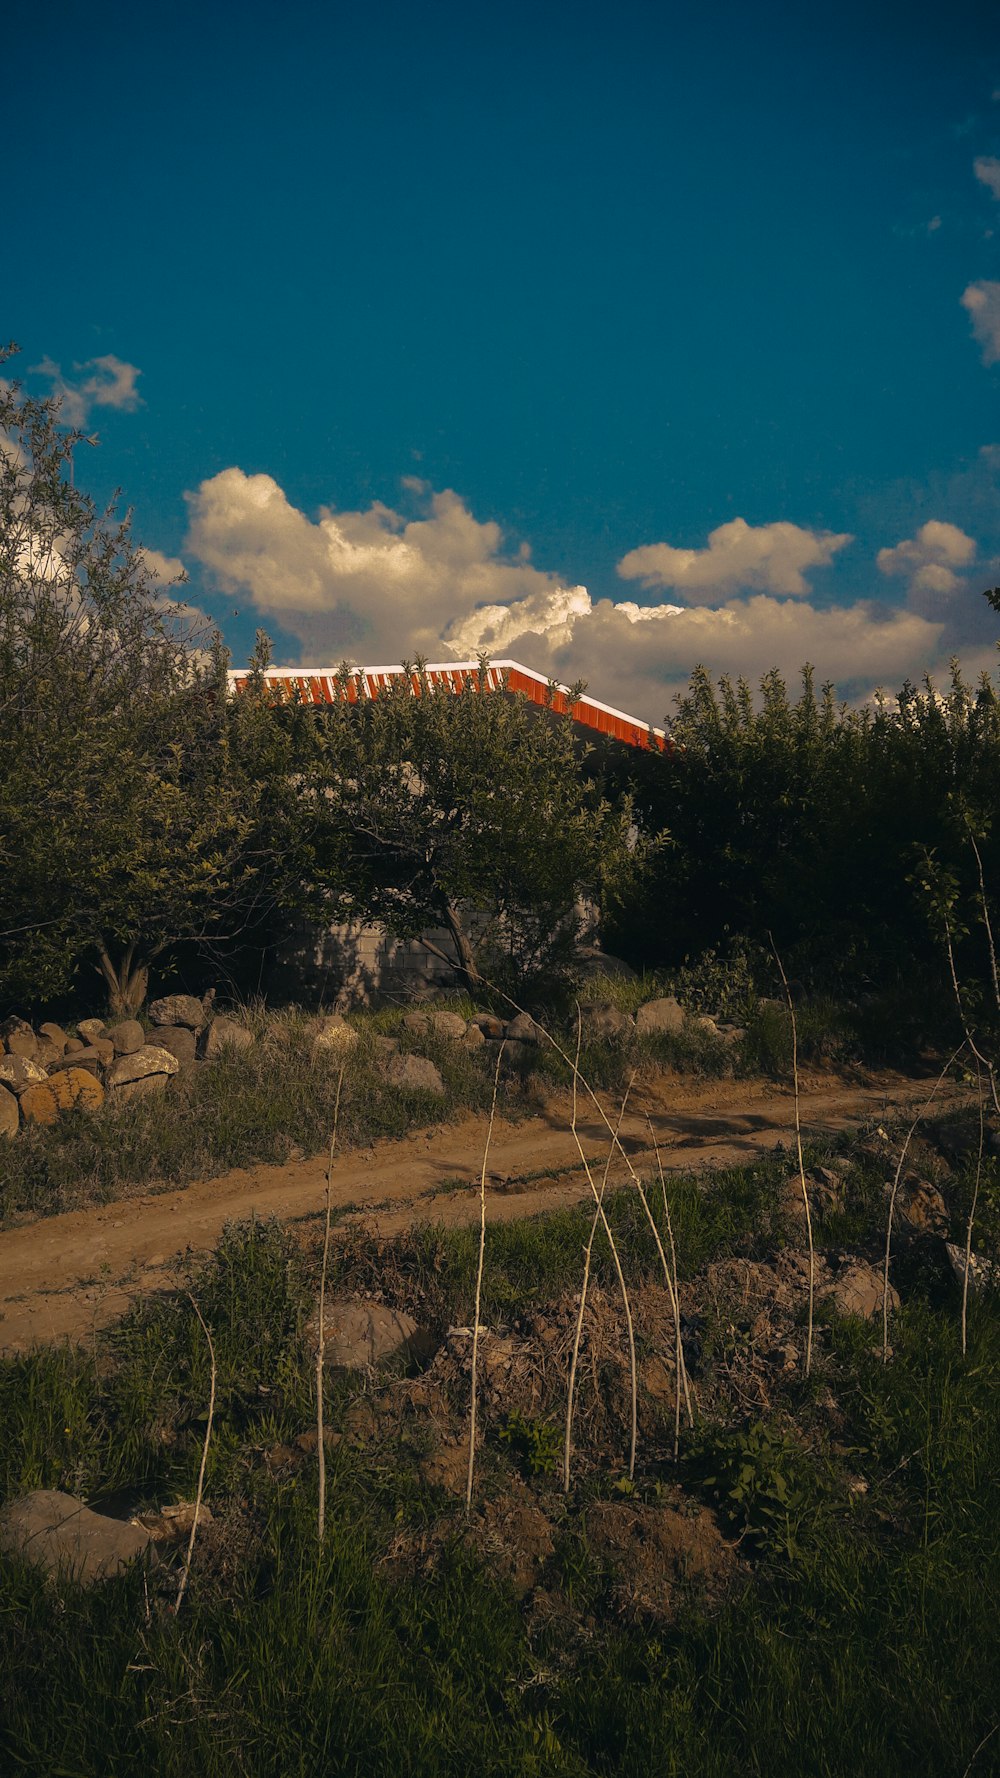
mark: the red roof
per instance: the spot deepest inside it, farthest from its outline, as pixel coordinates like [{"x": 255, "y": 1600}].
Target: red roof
[{"x": 322, "y": 685}]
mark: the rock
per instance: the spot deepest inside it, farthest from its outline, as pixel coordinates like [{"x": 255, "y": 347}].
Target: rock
[
  {"x": 69, "y": 1089},
  {"x": 173, "y": 1523},
  {"x": 126, "y": 1038},
  {"x": 523, "y": 1029},
  {"x": 361, "y": 1334},
  {"x": 602, "y": 963},
  {"x": 517, "y": 1054},
  {"x": 225, "y": 1034},
  {"x": 91, "y": 1028},
  {"x": 47, "y": 1053},
  {"x": 704, "y": 1022},
  {"x": 179, "y": 1041},
  {"x": 448, "y": 1467},
  {"x": 93, "y": 1059},
  {"x": 104, "y": 1047},
  {"x": 920, "y": 1208},
  {"x": 21, "y": 1041},
  {"x": 474, "y": 1038},
  {"x": 334, "y": 1039},
  {"x": 660, "y": 1017},
  {"x": 19, "y": 1072},
  {"x": 447, "y": 1025},
  {"x": 414, "y": 1074},
  {"x": 148, "y": 1060},
  {"x": 9, "y": 1117},
  {"x": 146, "y": 1088},
  {"x": 75, "y": 1044},
  {"x": 385, "y": 1046},
  {"x": 984, "y": 1274},
  {"x": 606, "y": 1021},
  {"x": 179, "y": 1009},
  {"x": 59, "y": 1533},
  {"x": 488, "y": 1024},
  {"x": 55, "y": 1035},
  {"x": 825, "y": 1191},
  {"x": 857, "y": 1290}
]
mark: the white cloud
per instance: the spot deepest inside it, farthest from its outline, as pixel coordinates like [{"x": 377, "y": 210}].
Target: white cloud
[
  {"x": 165, "y": 570},
  {"x": 376, "y": 587},
  {"x": 111, "y": 384},
  {"x": 982, "y": 303},
  {"x": 372, "y": 585},
  {"x": 767, "y": 558},
  {"x": 929, "y": 559},
  {"x": 987, "y": 171}
]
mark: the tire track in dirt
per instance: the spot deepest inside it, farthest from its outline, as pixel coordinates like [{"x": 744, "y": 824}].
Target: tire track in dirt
[{"x": 66, "y": 1276}]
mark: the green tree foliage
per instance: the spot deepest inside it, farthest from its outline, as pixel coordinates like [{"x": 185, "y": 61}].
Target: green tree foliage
[
  {"x": 139, "y": 807},
  {"x": 441, "y": 808},
  {"x": 800, "y": 817}
]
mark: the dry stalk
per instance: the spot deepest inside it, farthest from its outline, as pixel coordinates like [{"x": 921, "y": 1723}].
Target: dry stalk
[
  {"x": 612, "y": 1243},
  {"x": 984, "y": 904},
  {"x": 321, "y": 1340},
  {"x": 928, "y": 1102},
  {"x": 798, "y": 1146},
  {"x": 479, "y": 1284},
  {"x": 969, "y": 1038},
  {"x": 186, "y": 1570},
  {"x": 680, "y": 1368},
  {"x": 587, "y": 1252},
  {"x": 972, "y": 1212}
]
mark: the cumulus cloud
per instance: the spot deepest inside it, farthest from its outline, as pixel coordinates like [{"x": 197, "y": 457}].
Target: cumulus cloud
[
  {"x": 165, "y": 570},
  {"x": 766, "y": 558},
  {"x": 112, "y": 383},
  {"x": 377, "y": 587},
  {"x": 982, "y": 304},
  {"x": 929, "y": 559},
  {"x": 987, "y": 170},
  {"x": 373, "y": 585}
]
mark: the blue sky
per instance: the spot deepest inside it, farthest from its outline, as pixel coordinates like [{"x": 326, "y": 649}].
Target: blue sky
[{"x": 443, "y": 315}]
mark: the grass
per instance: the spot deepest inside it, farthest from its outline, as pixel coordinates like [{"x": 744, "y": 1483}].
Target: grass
[{"x": 860, "y": 1634}]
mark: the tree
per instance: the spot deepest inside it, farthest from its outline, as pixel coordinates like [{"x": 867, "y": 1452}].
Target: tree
[
  {"x": 139, "y": 806},
  {"x": 473, "y": 813}
]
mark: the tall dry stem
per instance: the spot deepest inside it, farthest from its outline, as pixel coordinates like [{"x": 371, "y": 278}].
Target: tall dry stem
[
  {"x": 798, "y": 1147},
  {"x": 321, "y": 1339},
  {"x": 895, "y": 1188},
  {"x": 972, "y": 1213},
  {"x": 680, "y": 1368},
  {"x": 479, "y": 1285},
  {"x": 585, "y": 1284},
  {"x": 186, "y": 1570}
]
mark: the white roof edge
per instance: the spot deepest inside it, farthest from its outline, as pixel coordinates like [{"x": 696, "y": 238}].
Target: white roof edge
[{"x": 449, "y": 667}]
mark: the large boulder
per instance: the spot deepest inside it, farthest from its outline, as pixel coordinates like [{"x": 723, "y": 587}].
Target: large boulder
[
  {"x": 225, "y": 1034},
  {"x": 920, "y": 1208},
  {"x": 19, "y": 1038},
  {"x": 605, "y": 1021},
  {"x": 334, "y": 1038},
  {"x": 93, "y": 1059},
  {"x": 414, "y": 1074},
  {"x": 19, "y": 1072},
  {"x": 60, "y": 1534},
  {"x": 9, "y": 1118},
  {"x": 523, "y": 1029},
  {"x": 179, "y": 1009},
  {"x": 361, "y": 1334},
  {"x": 857, "y": 1289},
  {"x": 150, "y": 1059},
  {"x": 447, "y": 1025},
  {"x": 91, "y": 1028},
  {"x": 147, "y": 1088},
  {"x": 659, "y": 1018},
  {"x": 488, "y": 1024},
  {"x": 179, "y": 1040},
  {"x": 54, "y": 1034},
  {"x": 70, "y": 1089},
  {"x": 127, "y": 1037}
]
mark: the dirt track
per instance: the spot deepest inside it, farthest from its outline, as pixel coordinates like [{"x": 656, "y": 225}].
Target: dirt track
[{"x": 65, "y": 1276}]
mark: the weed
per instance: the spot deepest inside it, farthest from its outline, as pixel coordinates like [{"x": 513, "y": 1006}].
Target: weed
[{"x": 536, "y": 1443}]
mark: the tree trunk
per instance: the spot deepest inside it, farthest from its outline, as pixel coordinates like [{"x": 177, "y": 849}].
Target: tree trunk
[
  {"x": 127, "y": 982},
  {"x": 460, "y": 939}
]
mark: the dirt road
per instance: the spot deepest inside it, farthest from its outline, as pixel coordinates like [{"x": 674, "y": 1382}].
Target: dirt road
[{"x": 64, "y": 1276}]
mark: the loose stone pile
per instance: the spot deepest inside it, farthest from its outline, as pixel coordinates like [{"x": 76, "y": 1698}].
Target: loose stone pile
[{"x": 49, "y": 1070}]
